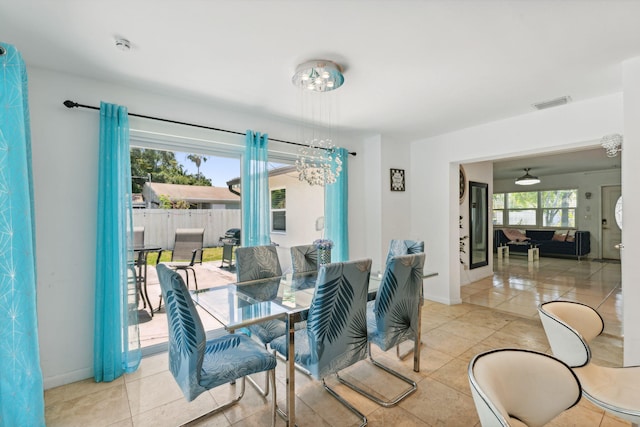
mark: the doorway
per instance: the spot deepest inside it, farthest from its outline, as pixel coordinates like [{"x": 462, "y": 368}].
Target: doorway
[{"x": 611, "y": 232}]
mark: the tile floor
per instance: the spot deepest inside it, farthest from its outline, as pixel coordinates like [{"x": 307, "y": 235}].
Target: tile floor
[{"x": 496, "y": 312}]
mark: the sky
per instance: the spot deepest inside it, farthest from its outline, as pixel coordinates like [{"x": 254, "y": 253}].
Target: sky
[{"x": 218, "y": 169}]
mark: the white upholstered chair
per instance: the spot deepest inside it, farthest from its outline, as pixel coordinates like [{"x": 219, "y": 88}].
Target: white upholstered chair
[
  {"x": 570, "y": 326},
  {"x": 517, "y": 387}
]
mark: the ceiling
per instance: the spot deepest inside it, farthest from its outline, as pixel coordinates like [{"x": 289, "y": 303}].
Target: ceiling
[
  {"x": 413, "y": 69},
  {"x": 589, "y": 160}
]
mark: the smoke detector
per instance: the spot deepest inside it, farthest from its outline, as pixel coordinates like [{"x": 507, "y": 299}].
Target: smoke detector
[
  {"x": 553, "y": 103},
  {"x": 123, "y": 44}
]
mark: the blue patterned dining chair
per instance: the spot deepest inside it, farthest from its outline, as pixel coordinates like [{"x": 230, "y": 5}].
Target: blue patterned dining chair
[
  {"x": 199, "y": 365},
  {"x": 394, "y": 317},
  {"x": 304, "y": 258},
  {"x": 404, "y": 247},
  {"x": 336, "y": 333},
  {"x": 255, "y": 263}
]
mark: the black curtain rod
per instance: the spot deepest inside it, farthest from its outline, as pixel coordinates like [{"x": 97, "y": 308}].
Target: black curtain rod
[{"x": 72, "y": 104}]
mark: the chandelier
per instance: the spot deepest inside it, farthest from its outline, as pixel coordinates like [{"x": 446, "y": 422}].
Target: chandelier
[
  {"x": 318, "y": 162},
  {"x": 612, "y": 144}
]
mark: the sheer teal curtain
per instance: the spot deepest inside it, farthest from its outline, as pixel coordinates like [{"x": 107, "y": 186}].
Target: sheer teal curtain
[
  {"x": 336, "y": 211},
  {"x": 21, "y": 389},
  {"x": 116, "y": 343},
  {"x": 256, "y": 224}
]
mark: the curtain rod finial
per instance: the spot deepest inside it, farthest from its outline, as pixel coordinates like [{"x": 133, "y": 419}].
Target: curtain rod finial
[{"x": 70, "y": 104}]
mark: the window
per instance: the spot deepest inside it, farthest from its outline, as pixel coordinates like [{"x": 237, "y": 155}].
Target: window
[
  {"x": 278, "y": 209},
  {"x": 553, "y": 208},
  {"x": 559, "y": 208},
  {"x": 498, "y": 209}
]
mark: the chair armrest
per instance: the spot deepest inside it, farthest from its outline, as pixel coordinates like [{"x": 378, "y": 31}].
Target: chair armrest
[
  {"x": 159, "y": 255},
  {"x": 193, "y": 256}
]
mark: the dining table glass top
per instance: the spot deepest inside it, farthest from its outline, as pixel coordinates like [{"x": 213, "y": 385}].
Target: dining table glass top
[{"x": 240, "y": 304}]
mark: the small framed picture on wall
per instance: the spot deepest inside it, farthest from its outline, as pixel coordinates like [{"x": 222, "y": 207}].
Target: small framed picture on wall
[{"x": 397, "y": 180}]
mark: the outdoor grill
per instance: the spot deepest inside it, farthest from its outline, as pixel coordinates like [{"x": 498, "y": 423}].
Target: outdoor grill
[{"x": 231, "y": 237}]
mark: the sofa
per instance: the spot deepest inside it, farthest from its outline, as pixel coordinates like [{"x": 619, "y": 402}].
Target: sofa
[{"x": 549, "y": 242}]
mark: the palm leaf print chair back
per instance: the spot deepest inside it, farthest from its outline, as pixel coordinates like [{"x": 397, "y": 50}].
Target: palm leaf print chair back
[
  {"x": 404, "y": 247},
  {"x": 199, "y": 365},
  {"x": 394, "y": 316},
  {"x": 304, "y": 258},
  {"x": 257, "y": 262},
  {"x": 336, "y": 333}
]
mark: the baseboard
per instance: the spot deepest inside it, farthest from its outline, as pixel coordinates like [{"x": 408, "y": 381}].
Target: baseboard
[
  {"x": 443, "y": 300},
  {"x": 67, "y": 378}
]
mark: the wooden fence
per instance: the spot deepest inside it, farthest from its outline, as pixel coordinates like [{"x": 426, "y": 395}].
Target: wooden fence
[{"x": 160, "y": 224}]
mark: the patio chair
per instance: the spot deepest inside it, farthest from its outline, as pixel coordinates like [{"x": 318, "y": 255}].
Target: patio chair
[
  {"x": 570, "y": 326},
  {"x": 394, "y": 317},
  {"x": 336, "y": 333},
  {"x": 199, "y": 365},
  {"x": 138, "y": 237},
  {"x": 517, "y": 387},
  {"x": 187, "y": 250},
  {"x": 304, "y": 258}
]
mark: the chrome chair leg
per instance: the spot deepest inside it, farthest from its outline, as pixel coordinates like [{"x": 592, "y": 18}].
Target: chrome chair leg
[
  {"x": 404, "y": 355},
  {"x": 274, "y": 408},
  {"x": 413, "y": 386},
  {"x": 346, "y": 404},
  {"x": 220, "y": 408},
  {"x": 264, "y": 392}
]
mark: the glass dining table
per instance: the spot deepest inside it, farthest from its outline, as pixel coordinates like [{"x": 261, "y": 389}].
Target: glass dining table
[{"x": 288, "y": 297}]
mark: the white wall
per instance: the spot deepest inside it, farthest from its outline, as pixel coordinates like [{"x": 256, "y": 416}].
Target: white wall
[
  {"x": 478, "y": 172},
  {"x": 589, "y": 211},
  {"x": 396, "y": 205},
  {"x": 434, "y": 165},
  {"x": 65, "y": 162},
  {"x": 631, "y": 212}
]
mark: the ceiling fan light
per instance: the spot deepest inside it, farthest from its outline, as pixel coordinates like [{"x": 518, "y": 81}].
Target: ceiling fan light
[{"x": 527, "y": 179}]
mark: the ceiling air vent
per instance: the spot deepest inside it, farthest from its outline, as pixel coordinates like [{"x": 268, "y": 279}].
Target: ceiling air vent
[{"x": 553, "y": 103}]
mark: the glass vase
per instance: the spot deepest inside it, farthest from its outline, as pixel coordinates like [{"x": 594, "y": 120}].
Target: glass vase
[{"x": 324, "y": 256}]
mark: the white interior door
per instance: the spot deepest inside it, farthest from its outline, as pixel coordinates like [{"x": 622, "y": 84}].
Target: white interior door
[{"x": 611, "y": 233}]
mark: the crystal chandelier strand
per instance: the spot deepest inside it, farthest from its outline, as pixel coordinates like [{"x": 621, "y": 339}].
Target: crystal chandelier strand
[{"x": 317, "y": 163}]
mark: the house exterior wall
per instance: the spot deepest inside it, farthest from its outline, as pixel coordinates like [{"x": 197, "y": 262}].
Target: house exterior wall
[{"x": 304, "y": 205}]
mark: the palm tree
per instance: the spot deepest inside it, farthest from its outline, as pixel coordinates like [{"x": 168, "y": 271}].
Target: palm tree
[{"x": 197, "y": 159}]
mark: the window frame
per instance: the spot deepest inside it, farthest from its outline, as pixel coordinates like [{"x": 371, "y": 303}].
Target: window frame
[
  {"x": 273, "y": 210},
  {"x": 503, "y": 213}
]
